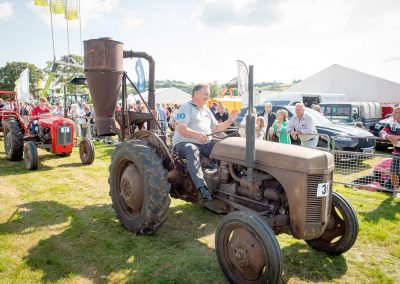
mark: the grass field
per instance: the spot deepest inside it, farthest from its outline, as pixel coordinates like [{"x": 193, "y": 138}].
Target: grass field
[{"x": 57, "y": 225}]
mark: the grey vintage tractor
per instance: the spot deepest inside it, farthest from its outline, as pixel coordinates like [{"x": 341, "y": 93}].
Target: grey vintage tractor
[{"x": 265, "y": 188}]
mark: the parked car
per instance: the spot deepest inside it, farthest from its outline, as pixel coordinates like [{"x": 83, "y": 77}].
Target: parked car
[
  {"x": 368, "y": 113},
  {"x": 291, "y": 98},
  {"x": 342, "y": 137}
]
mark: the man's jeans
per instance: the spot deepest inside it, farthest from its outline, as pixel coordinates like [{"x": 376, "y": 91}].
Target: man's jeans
[
  {"x": 310, "y": 143},
  {"x": 191, "y": 152}
]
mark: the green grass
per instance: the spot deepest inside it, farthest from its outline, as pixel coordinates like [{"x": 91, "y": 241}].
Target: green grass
[{"x": 57, "y": 225}]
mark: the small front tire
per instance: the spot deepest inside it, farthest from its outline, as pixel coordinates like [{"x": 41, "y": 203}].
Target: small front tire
[
  {"x": 247, "y": 249},
  {"x": 31, "y": 156},
  {"x": 86, "y": 151}
]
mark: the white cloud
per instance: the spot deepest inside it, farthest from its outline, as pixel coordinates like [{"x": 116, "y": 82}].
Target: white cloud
[
  {"x": 6, "y": 11},
  {"x": 91, "y": 10},
  {"x": 228, "y": 13},
  {"x": 130, "y": 23}
]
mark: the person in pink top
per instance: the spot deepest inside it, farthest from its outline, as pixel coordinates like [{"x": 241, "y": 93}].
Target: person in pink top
[{"x": 391, "y": 132}]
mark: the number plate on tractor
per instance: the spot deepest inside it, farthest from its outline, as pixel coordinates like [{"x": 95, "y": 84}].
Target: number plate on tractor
[
  {"x": 64, "y": 129},
  {"x": 323, "y": 189}
]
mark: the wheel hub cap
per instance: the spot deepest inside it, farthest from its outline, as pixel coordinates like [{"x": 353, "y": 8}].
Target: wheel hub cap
[
  {"x": 131, "y": 187},
  {"x": 246, "y": 253}
]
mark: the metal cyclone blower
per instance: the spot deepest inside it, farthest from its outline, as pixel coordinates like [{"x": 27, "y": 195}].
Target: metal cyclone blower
[{"x": 103, "y": 65}]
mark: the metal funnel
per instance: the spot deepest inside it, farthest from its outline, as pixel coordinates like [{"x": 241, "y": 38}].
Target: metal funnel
[{"x": 103, "y": 69}]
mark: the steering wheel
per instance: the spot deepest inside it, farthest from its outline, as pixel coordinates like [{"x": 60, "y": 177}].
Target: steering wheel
[{"x": 222, "y": 134}]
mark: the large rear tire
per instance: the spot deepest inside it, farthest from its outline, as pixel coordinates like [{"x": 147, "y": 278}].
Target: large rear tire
[
  {"x": 247, "y": 249},
  {"x": 86, "y": 151},
  {"x": 31, "y": 156},
  {"x": 342, "y": 229},
  {"x": 13, "y": 140},
  {"x": 139, "y": 187}
]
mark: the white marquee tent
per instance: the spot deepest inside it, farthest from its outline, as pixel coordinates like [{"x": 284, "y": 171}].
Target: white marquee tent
[
  {"x": 358, "y": 86},
  {"x": 169, "y": 95}
]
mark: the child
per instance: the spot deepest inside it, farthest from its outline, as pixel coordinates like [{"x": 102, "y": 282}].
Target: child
[{"x": 261, "y": 128}]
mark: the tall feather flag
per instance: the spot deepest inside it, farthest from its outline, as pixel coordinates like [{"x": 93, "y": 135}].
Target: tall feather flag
[
  {"x": 243, "y": 82},
  {"x": 71, "y": 9},
  {"x": 23, "y": 86},
  {"x": 41, "y": 3},
  {"x": 57, "y": 6}
]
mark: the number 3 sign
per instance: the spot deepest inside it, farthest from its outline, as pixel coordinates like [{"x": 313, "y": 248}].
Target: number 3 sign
[{"x": 323, "y": 189}]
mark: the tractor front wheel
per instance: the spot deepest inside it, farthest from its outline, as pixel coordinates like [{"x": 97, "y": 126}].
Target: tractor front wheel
[
  {"x": 341, "y": 231},
  {"x": 139, "y": 187},
  {"x": 247, "y": 249},
  {"x": 31, "y": 156},
  {"x": 86, "y": 151},
  {"x": 13, "y": 140}
]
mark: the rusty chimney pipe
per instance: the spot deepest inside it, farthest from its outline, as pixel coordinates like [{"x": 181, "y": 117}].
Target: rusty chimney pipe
[
  {"x": 103, "y": 63},
  {"x": 151, "y": 93}
]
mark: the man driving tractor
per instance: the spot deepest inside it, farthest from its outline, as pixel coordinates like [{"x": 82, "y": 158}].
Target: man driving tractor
[
  {"x": 36, "y": 112},
  {"x": 195, "y": 124}
]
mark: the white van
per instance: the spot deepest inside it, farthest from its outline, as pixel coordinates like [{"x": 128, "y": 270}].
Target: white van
[{"x": 291, "y": 98}]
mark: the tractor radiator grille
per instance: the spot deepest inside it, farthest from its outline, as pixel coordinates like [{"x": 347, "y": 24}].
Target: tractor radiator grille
[
  {"x": 64, "y": 135},
  {"x": 314, "y": 203}
]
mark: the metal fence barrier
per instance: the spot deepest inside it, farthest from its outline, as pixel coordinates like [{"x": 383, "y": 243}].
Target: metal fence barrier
[{"x": 359, "y": 165}]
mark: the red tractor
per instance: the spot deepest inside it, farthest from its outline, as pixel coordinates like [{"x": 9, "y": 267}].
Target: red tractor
[{"x": 55, "y": 134}]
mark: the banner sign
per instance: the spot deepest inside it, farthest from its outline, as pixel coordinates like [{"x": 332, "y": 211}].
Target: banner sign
[
  {"x": 141, "y": 85},
  {"x": 243, "y": 82}
]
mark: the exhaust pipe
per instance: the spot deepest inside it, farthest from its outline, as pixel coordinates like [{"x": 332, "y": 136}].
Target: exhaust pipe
[{"x": 103, "y": 64}]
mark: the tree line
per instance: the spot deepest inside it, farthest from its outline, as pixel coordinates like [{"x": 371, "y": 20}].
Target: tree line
[{"x": 11, "y": 71}]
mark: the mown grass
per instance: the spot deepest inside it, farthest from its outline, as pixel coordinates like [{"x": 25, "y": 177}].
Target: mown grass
[{"x": 57, "y": 225}]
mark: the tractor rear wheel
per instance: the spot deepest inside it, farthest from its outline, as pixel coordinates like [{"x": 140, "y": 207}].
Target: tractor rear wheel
[
  {"x": 247, "y": 249},
  {"x": 31, "y": 156},
  {"x": 86, "y": 151},
  {"x": 139, "y": 187},
  {"x": 341, "y": 231},
  {"x": 13, "y": 140}
]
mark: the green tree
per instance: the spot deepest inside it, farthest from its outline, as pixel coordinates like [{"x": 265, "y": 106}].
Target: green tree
[
  {"x": 213, "y": 89},
  {"x": 11, "y": 72},
  {"x": 65, "y": 73}
]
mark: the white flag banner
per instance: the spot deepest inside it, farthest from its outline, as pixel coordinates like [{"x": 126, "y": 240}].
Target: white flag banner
[
  {"x": 243, "y": 82},
  {"x": 23, "y": 86}
]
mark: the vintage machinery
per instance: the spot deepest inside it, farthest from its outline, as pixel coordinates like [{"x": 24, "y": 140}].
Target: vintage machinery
[
  {"x": 265, "y": 188},
  {"x": 54, "y": 133}
]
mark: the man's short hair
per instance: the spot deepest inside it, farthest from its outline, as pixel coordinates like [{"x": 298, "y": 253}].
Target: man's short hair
[
  {"x": 300, "y": 104},
  {"x": 198, "y": 87},
  {"x": 268, "y": 104},
  {"x": 43, "y": 99}
]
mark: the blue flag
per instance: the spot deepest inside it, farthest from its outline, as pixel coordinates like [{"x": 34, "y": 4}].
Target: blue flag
[{"x": 141, "y": 84}]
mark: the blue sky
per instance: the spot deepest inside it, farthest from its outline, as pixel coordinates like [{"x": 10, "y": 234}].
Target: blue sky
[{"x": 199, "y": 41}]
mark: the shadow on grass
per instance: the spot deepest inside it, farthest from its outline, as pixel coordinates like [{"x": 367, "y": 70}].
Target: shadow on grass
[
  {"x": 386, "y": 210},
  {"x": 72, "y": 165},
  {"x": 90, "y": 243},
  {"x": 18, "y": 167},
  {"x": 302, "y": 262}
]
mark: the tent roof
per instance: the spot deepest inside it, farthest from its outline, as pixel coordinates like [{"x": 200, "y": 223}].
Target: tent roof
[
  {"x": 358, "y": 86},
  {"x": 170, "y": 95}
]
